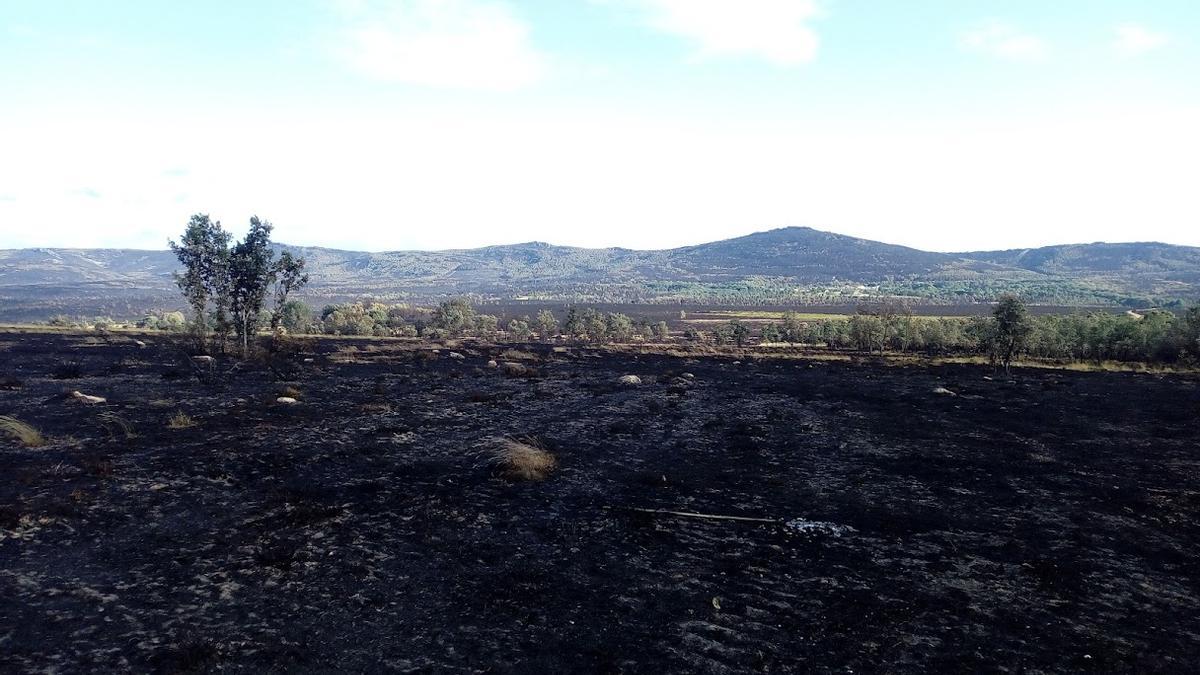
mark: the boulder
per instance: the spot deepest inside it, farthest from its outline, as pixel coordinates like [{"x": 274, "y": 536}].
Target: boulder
[
  {"x": 629, "y": 380},
  {"x": 942, "y": 391},
  {"x": 286, "y": 400},
  {"x": 84, "y": 398},
  {"x": 456, "y": 356}
]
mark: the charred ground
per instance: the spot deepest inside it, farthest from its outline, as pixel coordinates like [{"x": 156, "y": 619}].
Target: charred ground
[{"x": 1044, "y": 523}]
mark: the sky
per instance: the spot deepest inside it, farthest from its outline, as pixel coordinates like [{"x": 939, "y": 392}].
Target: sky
[{"x": 378, "y": 125}]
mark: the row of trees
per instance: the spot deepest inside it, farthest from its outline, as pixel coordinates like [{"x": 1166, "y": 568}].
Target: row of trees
[
  {"x": 227, "y": 283},
  {"x": 458, "y": 318},
  {"x": 1155, "y": 336}
]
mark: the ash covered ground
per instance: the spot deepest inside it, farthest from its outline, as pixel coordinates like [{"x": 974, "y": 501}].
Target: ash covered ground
[{"x": 1043, "y": 523}]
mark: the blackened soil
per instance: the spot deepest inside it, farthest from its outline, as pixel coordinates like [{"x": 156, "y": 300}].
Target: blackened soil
[{"x": 1048, "y": 523}]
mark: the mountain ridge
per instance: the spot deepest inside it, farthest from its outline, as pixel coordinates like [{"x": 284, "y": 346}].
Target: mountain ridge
[{"x": 785, "y": 265}]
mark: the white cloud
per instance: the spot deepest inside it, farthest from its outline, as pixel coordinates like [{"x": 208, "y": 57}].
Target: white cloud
[
  {"x": 1132, "y": 39},
  {"x": 449, "y": 44},
  {"x": 776, "y": 31},
  {"x": 1004, "y": 41}
]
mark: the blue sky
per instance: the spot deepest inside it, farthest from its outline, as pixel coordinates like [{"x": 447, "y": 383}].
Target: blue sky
[{"x": 387, "y": 124}]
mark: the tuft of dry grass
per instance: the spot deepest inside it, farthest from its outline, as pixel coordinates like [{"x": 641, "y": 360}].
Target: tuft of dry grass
[
  {"x": 22, "y": 432},
  {"x": 517, "y": 355},
  {"x": 523, "y": 460},
  {"x": 291, "y": 392},
  {"x": 181, "y": 420}
]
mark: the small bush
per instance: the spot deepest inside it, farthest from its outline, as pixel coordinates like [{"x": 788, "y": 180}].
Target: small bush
[
  {"x": 22, "y": 432},
  {"x": 523, "y": 460},
  {"x": 181, "y": 420}
]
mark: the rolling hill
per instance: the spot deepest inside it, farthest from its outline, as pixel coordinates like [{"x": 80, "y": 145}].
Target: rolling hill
[{"x": 795, "y": 264}]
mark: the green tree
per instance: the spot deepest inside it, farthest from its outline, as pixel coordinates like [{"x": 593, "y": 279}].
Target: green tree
[
  {"x": 251, "y": 273},
  {"x": 202, "y": 250},
  {"x": 618, "y": 327},
  {"x": 739, "y": 332},
  {"x": 771, "y": 332},
  {"x": 547, "y": 325},
  {"x": 455, "y": 317},
  {"x": 289, "y": 277},
  {"x": 519, "y": 330},
  {"x": 1012, "y": 328},
  {"x": 294, "y": 315},
  {"x": 661, "y": 331}
]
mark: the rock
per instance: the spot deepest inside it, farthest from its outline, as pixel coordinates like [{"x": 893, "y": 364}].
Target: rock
[
  {"x": 688, "y": 376},
  {"x": 286, "y": 400},
  {"x": 942, "y": 391},
  {"x": 629, "y": 380},
  {"x": 492, "y": 364},
  {"x": 456, "y": 356},
  {"x": 90, "y": 400},
  {"x": 205, "y": 360},
  {"x": 139, "y": 343},
  {"x": 308, "y": 360}
]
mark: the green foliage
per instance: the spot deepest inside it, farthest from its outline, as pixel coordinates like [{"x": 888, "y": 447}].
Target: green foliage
[
  {"x": 289, "y": 277},
  {"x": 1012, "y": 328},
  {"x": 235, "y": 281},
  {"x": 519, "y": 330},
  {"x": 455, "y": 317},
  {"x": 547, "y": 324},
  {"x": 294, "y": 315}
]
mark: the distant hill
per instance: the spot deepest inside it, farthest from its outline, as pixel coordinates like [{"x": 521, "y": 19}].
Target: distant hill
[{"x": 789, "y": 265}]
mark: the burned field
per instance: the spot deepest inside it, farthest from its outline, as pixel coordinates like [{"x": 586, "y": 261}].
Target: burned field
[{"x": 192, "y": 521}]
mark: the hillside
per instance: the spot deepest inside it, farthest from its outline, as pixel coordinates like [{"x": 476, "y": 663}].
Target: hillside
[{"x": 794, "y": 264}]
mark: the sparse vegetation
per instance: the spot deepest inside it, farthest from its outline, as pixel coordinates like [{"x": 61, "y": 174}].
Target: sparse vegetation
[
  {"x": 523, "y": 460},
  {"x": 21, "y": 432},
  {"x": 181, "y": 420}
]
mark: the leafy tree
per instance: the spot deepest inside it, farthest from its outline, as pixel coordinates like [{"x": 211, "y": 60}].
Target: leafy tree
[
  {"x": 1012, "y": 328},
  {"x": 251, "y": 273},
  {"x": 867, "y": 332},
  {"x": 661, "y": 330},
  {"x": 455, "y": 317},
  {"x": 771, "y": 332},
  {"x": 519, "y": 330},
  {"x": 202, "y": 250},
  {"x": 547, "y": 325},
  {"x": 618, "y": 327},
  {"x": 289, "y": 277},
  {"x": 574, "y": 324},
  {"x": 486, "y": 325},
  {"x": 294, "y": 315},
  {"x": 739, "y": 332}
]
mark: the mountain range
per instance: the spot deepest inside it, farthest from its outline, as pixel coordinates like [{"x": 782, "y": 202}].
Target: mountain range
[{"x": 788, "y": 265}]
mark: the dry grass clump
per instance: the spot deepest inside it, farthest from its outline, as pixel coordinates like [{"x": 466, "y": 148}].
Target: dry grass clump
[
  {"x": 517, "y": 355},
  {"x": 22, "y": 432},
  {"x": 524, "y": 460},
  {"x": 181, "y": 420},
  {"x": 291, "y": 392}
]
